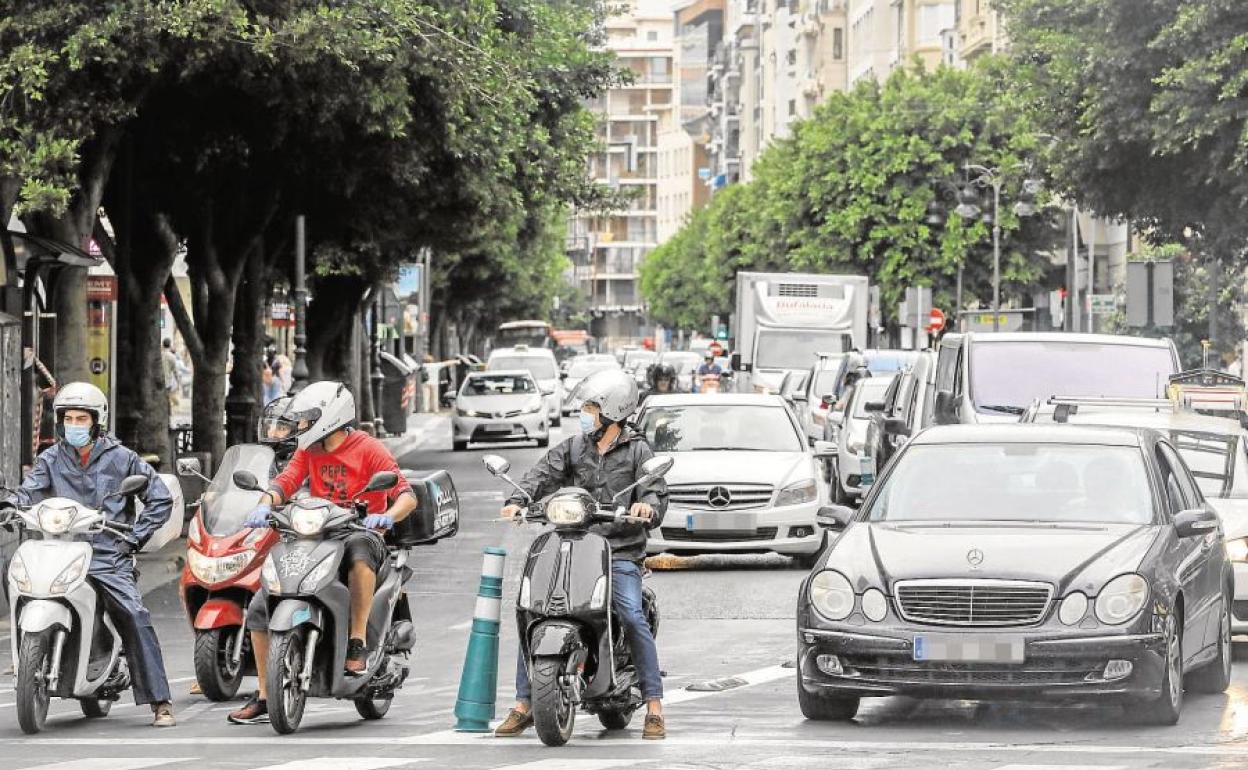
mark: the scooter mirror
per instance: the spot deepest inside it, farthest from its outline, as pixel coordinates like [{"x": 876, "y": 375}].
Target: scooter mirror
[
  {"x": 496, "y": 464},
  {"x": 189, "y": 466},
  {"x": 657, "y": 467},
  {"x": 246, "y": 480},
  {"x": 132, "y": 485},
  {"x": 382, "y": 480}
]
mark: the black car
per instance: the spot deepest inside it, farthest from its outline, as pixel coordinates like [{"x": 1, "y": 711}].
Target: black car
[
  {"x": 907, "y": 409},
  {"x": 1017, "y": 562}
]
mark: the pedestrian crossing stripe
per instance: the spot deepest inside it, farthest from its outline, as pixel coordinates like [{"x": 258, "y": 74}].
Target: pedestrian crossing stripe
[
  {"x": 574, "y": 764},
  {"x": 553, "y": 763},
  {"x": 340, "y": 763},
  {"x": 113, "y": 763}
]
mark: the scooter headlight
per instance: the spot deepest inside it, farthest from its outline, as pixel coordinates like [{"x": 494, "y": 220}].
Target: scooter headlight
[
  {"x": 312, "y": 581},
  {"x": 308, "y": 522},
  {"x": 56, "y": 520},
  {"x": 217, "y": 569},
  {"x": 268, "y": 576},
  {"x": 69, "y": 576},
  {"x": 19, "y": 575},
  {"x": 568, "y": 510}
]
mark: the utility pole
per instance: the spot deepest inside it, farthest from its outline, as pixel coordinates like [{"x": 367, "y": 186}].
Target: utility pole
[
  {"x": 1072, "y": 273},
  {"x": 299, "y": 367},
  {"x": 374, "y": 363}
]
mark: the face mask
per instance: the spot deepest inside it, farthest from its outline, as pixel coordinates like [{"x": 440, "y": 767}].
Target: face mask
[
  {"x": 588, "y": 424},
  {"x": 77, "y": 436}
]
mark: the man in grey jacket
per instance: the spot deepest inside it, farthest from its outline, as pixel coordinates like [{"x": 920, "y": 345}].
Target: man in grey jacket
[
  {"x": 87, "y": 465},
  {"x": 604, "y": 458}
]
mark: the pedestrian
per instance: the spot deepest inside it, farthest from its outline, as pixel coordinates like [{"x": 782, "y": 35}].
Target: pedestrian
[
  {"x": 272, "y": 386},
  {"x": 169, "y": 365}
]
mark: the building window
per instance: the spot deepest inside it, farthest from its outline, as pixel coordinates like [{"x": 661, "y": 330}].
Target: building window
[
  {"x": 791, "y": 57},
  {"x": 652, "y": 36},
  {"x": 838, "y": 44},
  {"x": 792, "y": 107}
]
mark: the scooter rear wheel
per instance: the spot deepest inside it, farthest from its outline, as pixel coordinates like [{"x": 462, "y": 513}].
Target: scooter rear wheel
[
  {"x": 215, "y": 669},
  {"x": 32, "y": 681},
  {"x": 554, "y": 714},
  {"x": 286, "y": 698},
  {"x": 616, "y": 720},
  {"x": 373, "y": 708}
]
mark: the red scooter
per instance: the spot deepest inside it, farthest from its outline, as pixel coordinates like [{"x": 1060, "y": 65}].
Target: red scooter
[{"x": 222, "y": 571}]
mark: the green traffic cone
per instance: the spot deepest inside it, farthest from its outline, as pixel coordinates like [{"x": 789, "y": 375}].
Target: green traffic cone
[{"x": 474, "y": 708}]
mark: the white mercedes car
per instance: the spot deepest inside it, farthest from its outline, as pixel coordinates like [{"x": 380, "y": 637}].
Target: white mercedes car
[{"x": 745, "y": 480}]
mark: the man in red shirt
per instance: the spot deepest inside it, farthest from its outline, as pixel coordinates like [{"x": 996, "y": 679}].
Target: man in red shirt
[{"x": 337, "y": 462}]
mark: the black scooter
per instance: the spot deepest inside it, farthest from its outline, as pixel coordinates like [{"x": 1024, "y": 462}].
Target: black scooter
[
  {"x": 309, "y": 605},
  {"x": 571, "y": 641}
]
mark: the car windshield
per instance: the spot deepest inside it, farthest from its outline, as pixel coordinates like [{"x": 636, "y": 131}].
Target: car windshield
[
  {"x": 868, "y": 390},
  {"x": 581, "y": 368},
  {"x": 683, "y": 363},
  {"x": 1009, "y": 376},
  {"x": 636, "y": 358},
  {"x": 1217, "y": 461},
  {"x": 792, "y": 349},
  {"x": 727, "y": 427},
  {"x": 540, "y": 367},
  {"x": 225, "y": 506},
  {"x": 995, "y": 482},
  {"x": 498, "y": 385}
]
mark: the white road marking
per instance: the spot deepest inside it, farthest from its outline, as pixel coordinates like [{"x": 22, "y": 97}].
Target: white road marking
[
  {"x": 339, "y": 763},
  {"x": 1061, "y": 767},
  {"x": 571, "y": 764},
  {"x": 752, "y": 678},
  {"x": 111, "y": 763},
  {"x": 842, "y": 763},
  {"x": 460, "y": 626}
]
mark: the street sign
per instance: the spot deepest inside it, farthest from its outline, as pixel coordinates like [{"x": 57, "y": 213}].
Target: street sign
[
  {"x": 936, "y": 320},
  {"x": 1103, "y": 304}
]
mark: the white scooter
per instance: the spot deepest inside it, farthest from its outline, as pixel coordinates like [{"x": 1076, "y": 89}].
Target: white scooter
[{"x": 64, "y": 644}]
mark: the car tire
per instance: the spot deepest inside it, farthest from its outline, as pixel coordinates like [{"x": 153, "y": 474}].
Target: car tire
[
  {"x": 543, "y": 442},
  {"x": 1216, "y": 677},
  {"x": 823, "y": 708},
  {"x": 557, "y": 420},
  {"x": 839, "y": 496},
  {"x": 1166, "y": 709},
  {"x": 459, "y": 446}
]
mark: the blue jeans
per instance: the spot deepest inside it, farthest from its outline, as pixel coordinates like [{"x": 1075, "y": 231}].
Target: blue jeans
[{"x": 626, "y": 603}]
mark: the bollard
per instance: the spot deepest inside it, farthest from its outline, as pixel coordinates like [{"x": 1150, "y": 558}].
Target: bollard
[{"x": 478, "y": 684}]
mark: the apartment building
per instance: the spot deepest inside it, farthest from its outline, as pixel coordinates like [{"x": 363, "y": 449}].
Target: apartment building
[
  {"x": 632, "y": 117},
  {"x": 980, "y": 29},
  {"x": 887, "y": 34}
]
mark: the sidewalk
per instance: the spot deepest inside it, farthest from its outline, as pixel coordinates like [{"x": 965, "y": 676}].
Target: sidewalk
[{"x": 429, "y": 431}]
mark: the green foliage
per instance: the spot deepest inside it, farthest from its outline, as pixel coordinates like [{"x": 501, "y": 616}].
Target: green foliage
[{"x": 849, "y": 192}]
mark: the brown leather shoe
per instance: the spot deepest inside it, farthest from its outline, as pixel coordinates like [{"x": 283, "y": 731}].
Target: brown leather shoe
[
  {"x": 162, "y": 715},
  {"x": 654, "y": 730},
  {"x": 515, "y": 724}
]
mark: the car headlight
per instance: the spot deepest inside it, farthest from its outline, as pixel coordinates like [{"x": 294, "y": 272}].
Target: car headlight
[
  {"x": 217, "y": 569},
  {"x": 567, "y": 510},
  {"x": 308, "y": 522},
  {"x": 1073, "y": 608},
  {"x": 532, "y": 408},
  {"x": 312, "y": 581},
  {"x": 1121, "y": 599},
  {"x": 56, "y": 521},
  {"x": 796, "y": 494},
  {"x": 831, "y": 595},
  {"x": 1237, "y": 549},
  {"x": 268, "y": 576},
  {"x": 874, "y": 604},
  {"x": 69, "y": 575},
  {"x": 18, "y": 574}
]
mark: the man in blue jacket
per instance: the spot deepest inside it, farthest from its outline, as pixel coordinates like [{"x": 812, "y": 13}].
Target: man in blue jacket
[{"x": 87, "y": 465}]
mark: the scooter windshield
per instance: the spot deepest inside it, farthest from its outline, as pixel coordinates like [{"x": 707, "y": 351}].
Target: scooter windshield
[{"x": 225, "y": 506}]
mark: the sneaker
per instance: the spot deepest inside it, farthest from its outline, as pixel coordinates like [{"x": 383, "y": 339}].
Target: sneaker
[
  {"x": 357, "y": 657},
  {"x": 196, "y": 689},
  {"x": 654, "y": 730},
  {"x": 162, "y": 715},
  {"x": 515, "y": 724},
  {"x": 254, "y": 712}
]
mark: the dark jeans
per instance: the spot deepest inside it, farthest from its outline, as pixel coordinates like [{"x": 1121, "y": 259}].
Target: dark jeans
[
  {"x": 123, "y": 602},
  {"x": 365, "y": 547},
  {"x": 626, "y": 603}
]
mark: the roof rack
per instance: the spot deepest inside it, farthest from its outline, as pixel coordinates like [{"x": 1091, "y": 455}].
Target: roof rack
[{"x": 1069, "y": 405}]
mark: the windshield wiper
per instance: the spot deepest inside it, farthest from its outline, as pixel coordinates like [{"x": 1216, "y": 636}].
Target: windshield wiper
[{"x": 1003, "y": 409}]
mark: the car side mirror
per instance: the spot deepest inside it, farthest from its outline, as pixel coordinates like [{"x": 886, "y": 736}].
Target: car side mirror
[
  {"x": 836, "y": 418},
  {"x": 133, "y": 485},
  {"x": 825, "y": 449},
  {"x": 382, "y": 480},
  {"x": 834, "y": 517},
  {"x": 1196, "y": 522},
  {"x": 246, "y": 480},
  {"x": 497, "y": 465},
  {"x": 873, "y": 406},
  {"x": 946, "y": 407},
  {"x": 896, "y": 426},
  {"x": 737, "y": 364}
]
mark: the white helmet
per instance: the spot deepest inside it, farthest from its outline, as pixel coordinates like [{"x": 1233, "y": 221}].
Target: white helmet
[
  {"x": 613, "y": 390},
  {"x": 88, "y": 398},
  {"x": 318, "y": 410}
]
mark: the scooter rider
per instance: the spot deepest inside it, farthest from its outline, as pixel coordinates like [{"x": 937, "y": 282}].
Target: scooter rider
[
  {"x": 604, "y": 458},
  {"x": 337, "y": 461},
  {"x": 275, "y": 430},
  {"x": 662, "y": 381},
  {"x": 88, "y": 465}
]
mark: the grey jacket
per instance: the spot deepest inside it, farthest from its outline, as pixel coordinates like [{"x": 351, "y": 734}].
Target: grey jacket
[
  {"x": 58, "y": 472},
  {"x": 575, "y": 462}
]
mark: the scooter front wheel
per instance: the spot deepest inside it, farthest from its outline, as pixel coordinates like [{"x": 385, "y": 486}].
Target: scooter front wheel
[
  {"x": 287, "y": 698},
  {"x": 373, "y": 708},
  {"x": 218, "y": 675},
  {"x": 554, "y": 714},
  {"x": 95, "y": 708},
  {"x": 34, "y": 659}
]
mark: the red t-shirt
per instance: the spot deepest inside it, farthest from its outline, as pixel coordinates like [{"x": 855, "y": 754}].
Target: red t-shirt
[{"x": 341, "y": 474}]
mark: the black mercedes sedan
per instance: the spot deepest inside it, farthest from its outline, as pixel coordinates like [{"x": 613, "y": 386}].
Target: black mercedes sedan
[{"x": 1013, "y": 562}]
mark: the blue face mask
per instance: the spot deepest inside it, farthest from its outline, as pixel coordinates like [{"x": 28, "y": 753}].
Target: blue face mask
[
  {"x": 588, "y": 424},
  {"x": 77, "y": 436}
]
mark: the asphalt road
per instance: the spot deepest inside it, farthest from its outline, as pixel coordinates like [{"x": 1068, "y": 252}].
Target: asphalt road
[{"x": 722, "y": 618}]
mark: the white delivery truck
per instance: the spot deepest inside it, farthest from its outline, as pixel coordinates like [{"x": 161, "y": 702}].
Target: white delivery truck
[{"x": 784, "y": 320}]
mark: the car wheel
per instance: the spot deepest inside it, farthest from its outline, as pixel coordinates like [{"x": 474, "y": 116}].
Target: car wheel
[
  {"x": 1216, "y": 677},
  {"x": 459, "y": 446},
  {"x": 839, "y": 496},
  {"x": 557, "y": 420},
  {"x": 824, "y": 708},
  {"x": 544, "y": 441},
  {"x": 1166, "y": 709}
]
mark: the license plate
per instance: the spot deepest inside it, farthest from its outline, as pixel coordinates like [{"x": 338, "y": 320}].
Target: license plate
[
  {"x": 498, "y": 429},
  {"x": 711, "y": 521},
  {"x": 968, "y": 648}
]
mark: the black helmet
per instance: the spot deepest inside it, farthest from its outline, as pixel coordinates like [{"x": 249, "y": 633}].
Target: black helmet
[
  {"x": 665, "y": 372},
  {"x": 275, "y": 430}
]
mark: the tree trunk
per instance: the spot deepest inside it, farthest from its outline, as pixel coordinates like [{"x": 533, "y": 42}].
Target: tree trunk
[
  {"x": 331, "y": 318},
  {"x": 245, "y": 400}
]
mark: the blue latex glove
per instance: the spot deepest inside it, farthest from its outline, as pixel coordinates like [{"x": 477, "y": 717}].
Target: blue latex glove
[
  {"x": 378, "y": 521},
  {"x": 259, "y": 517}
]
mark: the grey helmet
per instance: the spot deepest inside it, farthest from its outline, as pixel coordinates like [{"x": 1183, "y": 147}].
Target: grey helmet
[{"x": 613, "y": 390}]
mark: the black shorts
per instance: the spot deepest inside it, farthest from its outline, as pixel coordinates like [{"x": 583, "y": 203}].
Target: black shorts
[{"x": 358, "y": 548}]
